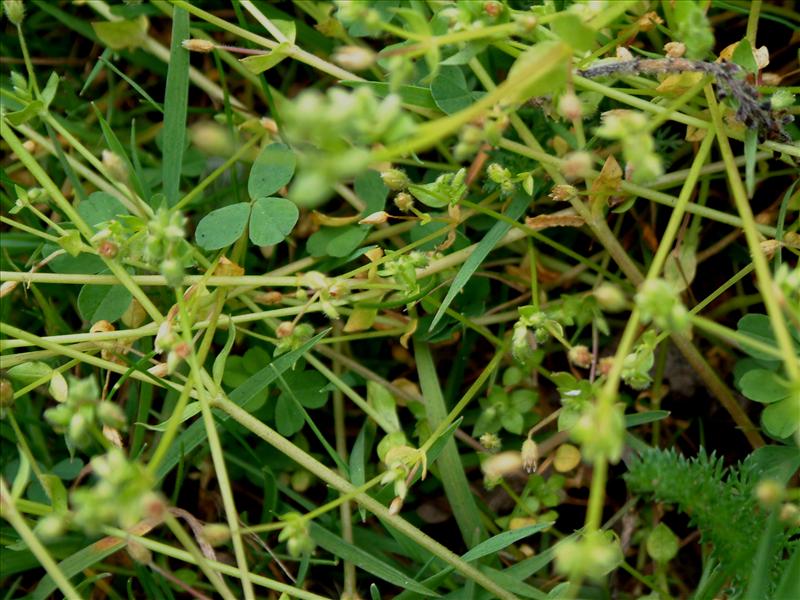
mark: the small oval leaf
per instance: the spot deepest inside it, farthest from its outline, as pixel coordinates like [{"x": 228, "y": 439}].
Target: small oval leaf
[
  {"x": 103, "y": 302},
  {"x": 222, "y": 227},
  {"x": 272, "y": 220},
  {"x": 272, "y": 170}
]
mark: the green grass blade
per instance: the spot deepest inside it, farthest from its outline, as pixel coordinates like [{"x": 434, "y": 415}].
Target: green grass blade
[
  {"x": 131, "y": 82},
  {"x": 498, "y": 230},
  {"x": 366, "y": 561},
  {"x": 175, "y": 106},
  {"x": 451, "y": 470}
]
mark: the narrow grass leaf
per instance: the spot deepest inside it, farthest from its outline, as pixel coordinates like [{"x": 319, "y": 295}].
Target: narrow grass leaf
[
  {"x": 758, "y": 585},
  {"x": 117, "y": 148},
  {"x": 503, "y": 540},
  {"x": 636, "y": 419},
  {"x": 148, "y": 98},
  {"x": 451, "y": 469},
  {"x": 357, "y": 468},
  {"x": 494, "y": 235},
  {"x": 96, "y": 69},
  {"x": 176, "y": 99},
  {"x": 366, "y": 561},
  {"x": 789, "y": 585}
]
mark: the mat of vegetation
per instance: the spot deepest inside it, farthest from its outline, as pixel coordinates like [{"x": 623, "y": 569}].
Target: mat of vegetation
[{"x": 399, "y": 299}]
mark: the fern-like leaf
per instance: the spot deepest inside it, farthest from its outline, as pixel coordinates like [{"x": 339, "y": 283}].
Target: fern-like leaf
[{"x": 719, "y": 501}]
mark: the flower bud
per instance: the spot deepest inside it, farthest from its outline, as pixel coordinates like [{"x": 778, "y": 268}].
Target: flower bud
[
  {"x": 50, "y": 526},
  {"x": 111, "y": 414},
  {"x": 376, "y": 218},
  {"x": 6, "y": 393},
  {"x": 196, "y": 45},
  {"x": 59, "y": 389},
  {"x": 563, "y": 192},
  {"x": 580, "y": 356},
  {"x": 107, "y": 249},
  {"x": 115, "y": 165},
  {"x": 78, "y": 430},
  {"x": 770, "y": 492},
  {"x": 15, "y": 11},
  {"x": 395, "y": 179},
  {"x": 172, "y": 270},
  {"x": 530, "y": 455},
  {"x": 216, "y": 534},
  {"x": 675, "y": 49},
  {"x": 138, "y": 552},
  {"x": 502, "y": 464},
  {"x": 285, "y": 329},
  {"x": 610, "y": 297},
  {"x": 790, "y": 514},
  {"x": 404, "y": 201},
  {"x": 569, "y": 107},
  {"x": 354, "y": 58},
  {"x": 212, "y": 138},
  {"x": 490, "y": 441},
  {"x": 269, "y": 298},
  {"x": 576, "y": 165}
]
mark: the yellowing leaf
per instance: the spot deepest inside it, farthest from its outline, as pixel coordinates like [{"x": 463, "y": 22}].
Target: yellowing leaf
[
  {"x": 323, "y": 219},
  {"x": 559, "y": 220},
  {"x": 360, "y": 319},
  {"x": 119, "y": 35},
  {"x": 608, "y": 182},
  {"x": 678, "y": 83}
]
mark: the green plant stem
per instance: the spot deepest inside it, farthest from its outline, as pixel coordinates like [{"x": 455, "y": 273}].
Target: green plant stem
[
  {"x": 314, "y": 466},
  {"x": 131, "y": 201},
  {"x": 637, "y": 190},
  {"x": 219, "y": 567},
  {"x": 201, "y": 561},
  {"x": 763, "y": 276},
  {"x": 754, "y": 11},
  {"x": 64, "y": 205},
  {"x": 357, "y": 399},
  {"x": 11, "y": 514},
  {"x": 644, "y": 105},
  {"x": 294, "y": 51},
  {"x": 451, "y": 469},
  {"x": 214, "y": 175},
  {"x": 431, "y": 132},
  {"x": 471, "y": 392},
  {"x": 345, "y": 511},
  {"x": 113, "y": 188},
  {"x": 731, "y": 335},
  {"x": 214, "y": 444}
]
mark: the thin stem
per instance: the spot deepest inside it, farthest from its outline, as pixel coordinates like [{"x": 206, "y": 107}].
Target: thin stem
[
  {"x": 763, "y": 274},
  {"x": 72, "y": 214},
  {"x": 11, "y": 514},
  {"x": 314, "y": 466},
  {"x": 198, "y": 558}
]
